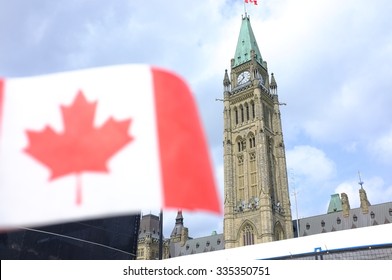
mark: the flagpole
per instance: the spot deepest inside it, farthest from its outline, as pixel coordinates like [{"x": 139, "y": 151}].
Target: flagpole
[
  {"x": 160, "y": 252},
  {"x": 244, "y": 8}
]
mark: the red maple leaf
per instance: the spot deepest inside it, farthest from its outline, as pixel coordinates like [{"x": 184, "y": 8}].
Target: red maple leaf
[{"x": 81, "y": 147}]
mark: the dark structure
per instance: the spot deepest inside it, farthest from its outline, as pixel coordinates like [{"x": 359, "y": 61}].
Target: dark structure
[{"x": 101, "y": 239}]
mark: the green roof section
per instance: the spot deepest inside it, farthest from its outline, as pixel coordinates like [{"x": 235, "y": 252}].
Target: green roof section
[
  {"x": 335, "y": 204},
  {"x": 246, "y": 43}
]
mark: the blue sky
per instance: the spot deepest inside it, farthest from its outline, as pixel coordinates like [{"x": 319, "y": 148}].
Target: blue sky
[{"x": 332, "y": 62}]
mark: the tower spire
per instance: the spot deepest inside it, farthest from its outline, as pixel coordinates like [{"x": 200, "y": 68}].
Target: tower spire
[{"x": 246, "y": 43}]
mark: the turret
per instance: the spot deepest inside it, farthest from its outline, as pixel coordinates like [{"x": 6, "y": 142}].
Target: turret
[
  {"x": 176, "y": 232},
  {"x": 273, "y": 85},
  {"x": 226, "y": 83},
  {"x": 363, "y": 196},
  {"x": 345, "y": 205},
  {"x": 364, "y": 202}
]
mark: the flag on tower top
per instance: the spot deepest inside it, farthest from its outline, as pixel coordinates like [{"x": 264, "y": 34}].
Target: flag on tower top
[
  {"x": 100, "y": 142},
  {"x": 251, "y": 1}
]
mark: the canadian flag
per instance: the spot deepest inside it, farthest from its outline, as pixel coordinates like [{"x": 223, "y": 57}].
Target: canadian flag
[
  {"x": 251, "y": 1},
  {"x": 100, "y": 142}
]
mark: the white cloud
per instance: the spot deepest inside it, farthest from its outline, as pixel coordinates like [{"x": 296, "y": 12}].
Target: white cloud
[
  {"x": 311, "y": 174},
  {"x": 381, "y": 148},
  {"x": 331, "y": 59},
  {"x": 310, "y": 163}
]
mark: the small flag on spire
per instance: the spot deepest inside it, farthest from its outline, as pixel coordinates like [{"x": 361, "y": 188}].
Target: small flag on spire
[{"x": 251, "y": 1}]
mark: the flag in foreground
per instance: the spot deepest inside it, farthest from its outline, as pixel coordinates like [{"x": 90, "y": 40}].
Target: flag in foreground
[{"x": 100, "y": 142}]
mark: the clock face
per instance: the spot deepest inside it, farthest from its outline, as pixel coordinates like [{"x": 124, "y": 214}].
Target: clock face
[{"x": 243, "y": 78}]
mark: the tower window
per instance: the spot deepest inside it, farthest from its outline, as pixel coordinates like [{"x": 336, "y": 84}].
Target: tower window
[
  {"x": 236, "y": 115},
  {"x": 252, "y": 174},
  {"x": 253, "y": 110},
  {"x": 242, "y": 114},
  {"x": 241, "y": 191},
  {"x": 248, "y": 236},
  {"x": 247, "y": 111},
  {"x": 252, "y": 142},
  {"x": 267, "y": 116},
  {"x": 241, "y": 143}
]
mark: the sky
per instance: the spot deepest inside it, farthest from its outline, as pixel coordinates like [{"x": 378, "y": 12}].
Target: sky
[{"x": 331, "y": 60}]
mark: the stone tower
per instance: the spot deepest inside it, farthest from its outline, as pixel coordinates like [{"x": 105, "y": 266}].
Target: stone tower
[
  {"x": 256, "y": 195},
  {"x": 148, "y": 239}
]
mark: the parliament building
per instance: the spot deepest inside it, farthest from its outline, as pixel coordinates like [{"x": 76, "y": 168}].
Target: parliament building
[{"x": 256, "y": 193}]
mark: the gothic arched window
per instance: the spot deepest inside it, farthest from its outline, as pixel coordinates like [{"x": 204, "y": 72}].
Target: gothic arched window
[
  {"x": 279, "y": 233},
  {"x": 252, "y": 141},
  {"x": 242, "y": 113},
  {"x": 236, "y": 115},
  {"x": 248, "y": 235},
  {"x": 247, "y": 111},
  {"x": 241, "y": 144}
]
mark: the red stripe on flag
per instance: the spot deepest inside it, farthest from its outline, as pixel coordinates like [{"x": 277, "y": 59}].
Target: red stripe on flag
[
  {"x": 251, "y": 1},
  {"x": 2, "y": 86},
  {"x": 188, "y": 181}
]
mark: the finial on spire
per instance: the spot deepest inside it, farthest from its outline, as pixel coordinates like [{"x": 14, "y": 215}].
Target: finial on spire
[
  {"x": 360, "y": 180},
  {"x": 226, "y": 82}
]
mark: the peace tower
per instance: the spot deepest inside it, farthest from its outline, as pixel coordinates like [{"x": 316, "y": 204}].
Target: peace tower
[{"x": 256, "y": 195}]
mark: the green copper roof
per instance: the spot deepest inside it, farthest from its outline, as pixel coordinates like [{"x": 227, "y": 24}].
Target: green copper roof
[
  {"x": 246, "y": 43},
  {"x": 335, "y": 204}
]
